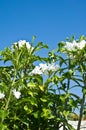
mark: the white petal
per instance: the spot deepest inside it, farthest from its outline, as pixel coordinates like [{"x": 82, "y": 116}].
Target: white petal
[
  {"x": 2, "y": 95},
  {"x": 17, "y": 94}
]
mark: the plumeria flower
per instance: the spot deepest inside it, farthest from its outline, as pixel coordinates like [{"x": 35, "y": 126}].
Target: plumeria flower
[
  {"x": 82, "y": 44},
  {"x": 21, "y": 43},
  {"x": 44, "y": 69},
  {"x": 48, "y": 67},
  {"x": 75, "y": 45},
  {"x": 36, "y": 70},
  {"x": 52, "y": 67},
  {"x": 2, "y": 95},
  {"x": 71, "y": 46},
  {"x": 17, "y": 94}
]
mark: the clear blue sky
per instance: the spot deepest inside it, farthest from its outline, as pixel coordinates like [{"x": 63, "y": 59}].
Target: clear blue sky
[{"x": 50, "y": 20}]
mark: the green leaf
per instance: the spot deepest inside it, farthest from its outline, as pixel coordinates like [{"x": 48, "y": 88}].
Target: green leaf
[
  {"x": 28, "y": 109},
  {"x": 41, "y": 87},
  {"x": 39, "y": 46},
  {"x": 66, "y": 113},
  {"x": 47, "y": 114},
  {"x": 48, "y": 81},
  {"x": 71, "y": 39},
  {"x": 3, "y": 127},
  {"x": 36, "y": 114},
  {"x": 63, "y": 97},
  {"x": 39, "y": 79},
  {"x": 31, "y": 93},
  {"x": 82, "y": 38},
  {"x": 33, "y": 101},
  {"x": 3, "y": 114},
  {"x": 6, "y": 54},
  {"x": 84, "y": 90},
  {"x": 31, "y": 84},
  {"x": 43, "y": 99},
  {"x": 60, "y": 46},
  {"x": 33, "y": 38}
]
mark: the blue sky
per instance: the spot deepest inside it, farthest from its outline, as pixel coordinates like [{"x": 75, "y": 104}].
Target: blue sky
[{"x": 50, "y": 20}]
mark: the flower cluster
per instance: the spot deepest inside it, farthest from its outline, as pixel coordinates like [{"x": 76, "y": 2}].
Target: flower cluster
[
  {"x": 44, "y": 69},
  {"x": 75, "y": 45},
  {"x": 21, "y": 43}
]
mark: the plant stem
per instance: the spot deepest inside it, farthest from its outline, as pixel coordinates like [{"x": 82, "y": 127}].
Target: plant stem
[
  {"x": 81, "y": 112},
  {"x": 83, "y": 98},
  {"x": 39, "y": 128},
  {"x": 68, "y": 86},
  {"x": 7, "y": 104},
  {"x": 6, "y": 107}
]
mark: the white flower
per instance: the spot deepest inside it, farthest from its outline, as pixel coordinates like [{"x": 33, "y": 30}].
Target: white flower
[
  {"x": 71, "y": 46},
  {"x": 17, "y": 94},
  {"x": 48, "y": 67},
  {"x": 21, "y": 43},
  {"x": 82, "y": 44},
  {"x": 2, "y": 95},
  {"x": 75, "y": 45},
  {"x": 44, "y": 69},
  {"x": 36, "y": 70},
  {"x": 52, "y": 67}
]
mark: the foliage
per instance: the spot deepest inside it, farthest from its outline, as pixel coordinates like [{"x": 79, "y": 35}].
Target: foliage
[{"x": 35, "y": 91}]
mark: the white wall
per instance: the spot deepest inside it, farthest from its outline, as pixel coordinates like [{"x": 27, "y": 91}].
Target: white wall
[{"x": 74, "y": 124}]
